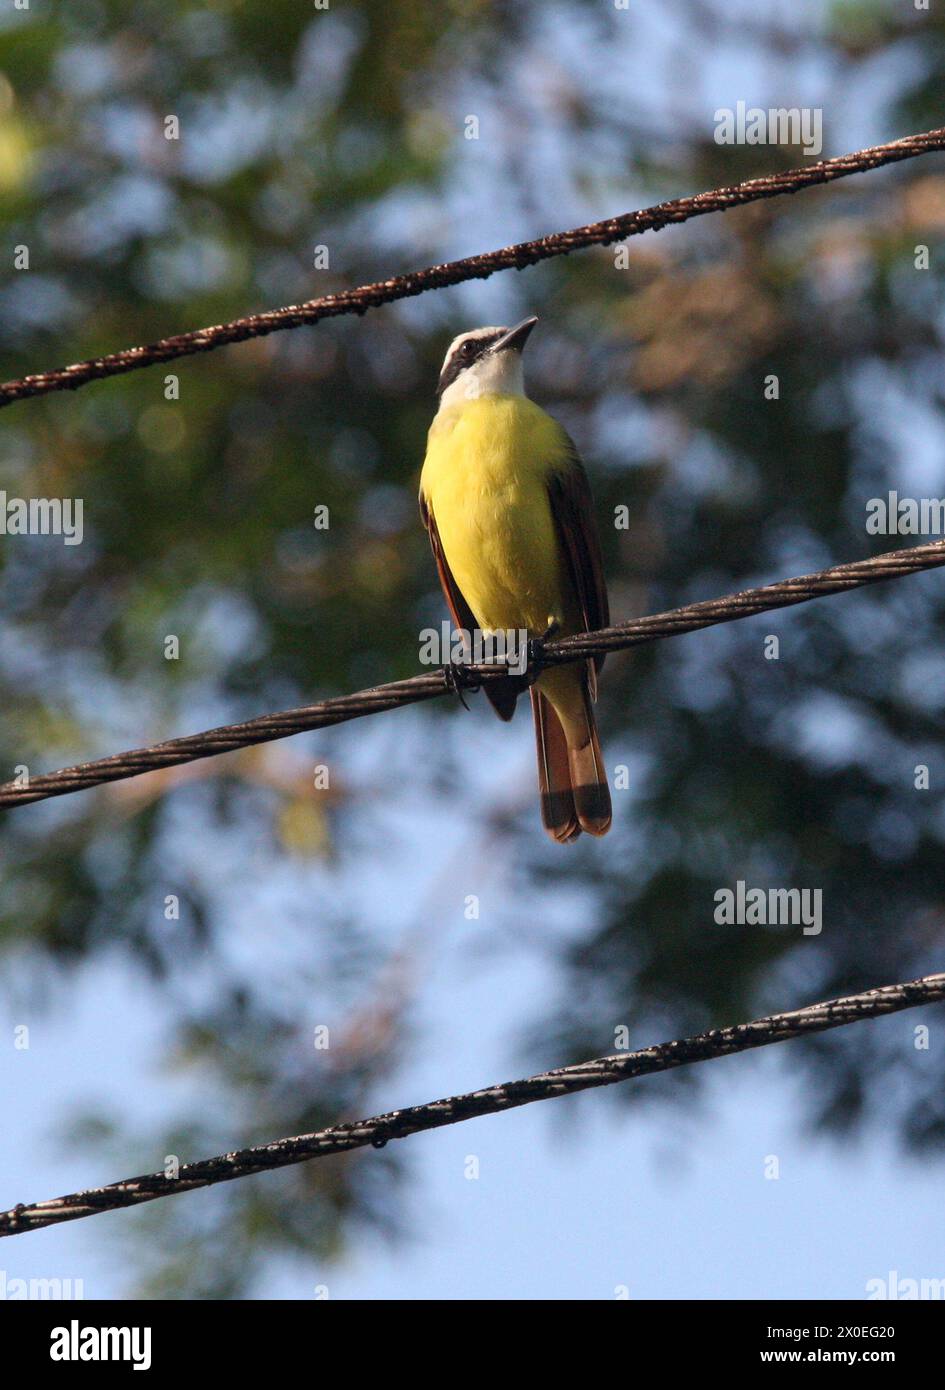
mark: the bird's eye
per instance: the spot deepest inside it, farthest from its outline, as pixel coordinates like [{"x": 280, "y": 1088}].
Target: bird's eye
[{"x": 466, "y": 349}]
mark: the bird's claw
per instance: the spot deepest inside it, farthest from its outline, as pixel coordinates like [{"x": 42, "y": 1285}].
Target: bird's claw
[
  {"x": 459, "y": 678},
  {"x": 536, "y": 651}
]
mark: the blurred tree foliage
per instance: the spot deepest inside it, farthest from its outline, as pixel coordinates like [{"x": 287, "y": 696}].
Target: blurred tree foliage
[{"x": 345, "y": 129}]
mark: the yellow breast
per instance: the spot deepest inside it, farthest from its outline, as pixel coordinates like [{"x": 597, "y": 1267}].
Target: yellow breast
[{"x": 485, "y": 478}]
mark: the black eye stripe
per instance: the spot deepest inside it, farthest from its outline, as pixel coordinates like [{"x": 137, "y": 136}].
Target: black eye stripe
[
  {"x": 463, "y": 356},
  {"x": 473, "y": 348}
]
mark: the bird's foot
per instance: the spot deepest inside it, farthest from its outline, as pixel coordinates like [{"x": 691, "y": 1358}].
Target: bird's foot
[
  {"x": 459, "y": 678},
  {"x": 536, "y": 650}
]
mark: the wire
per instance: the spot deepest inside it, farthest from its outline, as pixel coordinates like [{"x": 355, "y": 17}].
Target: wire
[
  {"x": 602, "y": 1071},
  {"x": 358, "y": 301},
  {"x": 340, "y": 709},
  {"x": 399, "y": 1124}
]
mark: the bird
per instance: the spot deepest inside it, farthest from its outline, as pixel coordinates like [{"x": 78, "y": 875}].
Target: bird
[{"x": 507, "y": 506}]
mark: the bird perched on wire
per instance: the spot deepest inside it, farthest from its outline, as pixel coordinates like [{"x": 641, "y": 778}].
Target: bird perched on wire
[{"x": 507, "y": 506}]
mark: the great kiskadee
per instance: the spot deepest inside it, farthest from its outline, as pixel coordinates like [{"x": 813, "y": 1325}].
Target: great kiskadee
[{"x": 508, "y": 509}]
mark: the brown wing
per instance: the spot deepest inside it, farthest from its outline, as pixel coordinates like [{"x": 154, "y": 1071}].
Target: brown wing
[
  {"x": 573, "y": 510},
  {"x": 502, "y": 695}
]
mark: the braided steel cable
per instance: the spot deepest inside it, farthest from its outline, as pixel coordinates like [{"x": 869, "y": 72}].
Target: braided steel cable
[
  {"x": 525, "y": 253},
  {"x": 399, "y": 1124},
  {"x": 340, "y": 709}
]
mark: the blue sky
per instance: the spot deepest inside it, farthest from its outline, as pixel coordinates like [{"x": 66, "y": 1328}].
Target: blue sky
[{"x": 663, "y": 1203}]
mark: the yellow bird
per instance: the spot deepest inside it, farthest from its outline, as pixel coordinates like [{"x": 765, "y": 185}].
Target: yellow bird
[{"x": 507, "y": 506}]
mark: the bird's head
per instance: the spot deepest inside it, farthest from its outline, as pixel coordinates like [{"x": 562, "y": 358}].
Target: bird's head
[{"x": 483, "y": 362}]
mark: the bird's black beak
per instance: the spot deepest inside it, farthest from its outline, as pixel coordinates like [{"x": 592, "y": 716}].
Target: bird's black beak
[{"x": 515, "y": 337}]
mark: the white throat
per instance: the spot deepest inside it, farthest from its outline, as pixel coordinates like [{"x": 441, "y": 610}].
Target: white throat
[{"x": 496, "y": 374}]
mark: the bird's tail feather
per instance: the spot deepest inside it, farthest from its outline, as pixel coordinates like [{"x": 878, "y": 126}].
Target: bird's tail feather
[
  {"x": 572, "y": 779},
  {"x": 588, "y": 775},
  {"x": 558, "y": 813}
]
